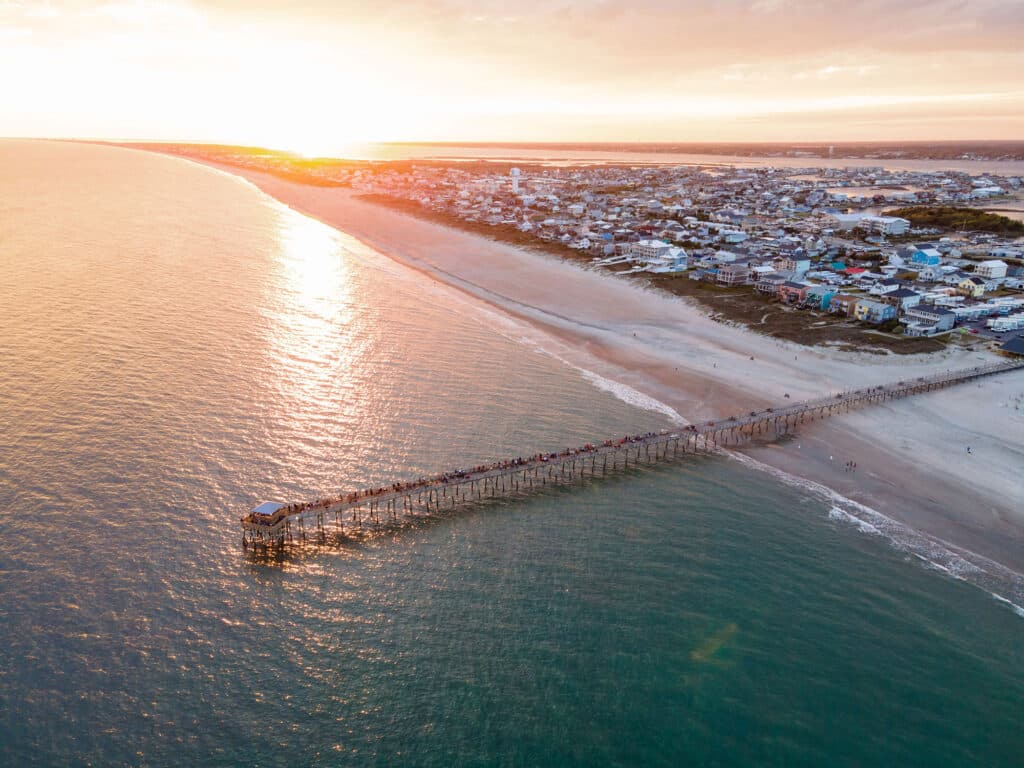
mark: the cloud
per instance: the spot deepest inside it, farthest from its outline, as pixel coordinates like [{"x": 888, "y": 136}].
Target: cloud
[{"x": 421, "y": 62}]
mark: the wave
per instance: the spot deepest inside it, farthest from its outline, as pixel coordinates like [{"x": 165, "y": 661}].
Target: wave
[
  {"x": 623, "y": 392},
  {"x": 631, "y": 396},
  {"x": 1000, "y": 582}
]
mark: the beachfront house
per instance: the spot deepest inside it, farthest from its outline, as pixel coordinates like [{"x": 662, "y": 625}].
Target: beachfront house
[
  {"x": 928, "y": 319},
  {"x": 819, "y": 296},
  {"x": 792, "y": 293},
  {"x": 794, "y": 265},
  {"x": 875, "y": 312},
  {"x": 843, "y": 304},
  {"x": 650, "y": 249},
  {"x": 733, "y": 274},
  {"x": 769, "y": 284},
  {"x": 901, "y": 299}
]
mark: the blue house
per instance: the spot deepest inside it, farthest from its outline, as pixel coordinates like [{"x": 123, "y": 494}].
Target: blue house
[
  {"x": 873, "y": 311},
  {"x": 820, "y": 296},
  {"x": 923, "y": 255}
]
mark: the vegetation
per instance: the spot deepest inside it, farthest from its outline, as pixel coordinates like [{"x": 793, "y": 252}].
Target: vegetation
[{"x": 951, "y": 217}]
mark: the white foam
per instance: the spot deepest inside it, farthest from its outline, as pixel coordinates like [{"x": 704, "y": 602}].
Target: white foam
[
  {"x": 841, "y": 514},
  {"x": 934, "y": 553},
  {"x": 632, "y": 396},
  {"x": 1019, "y": 610}
]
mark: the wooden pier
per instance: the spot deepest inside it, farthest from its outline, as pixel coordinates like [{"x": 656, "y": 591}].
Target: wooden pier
[{"x": 363, "y": 511}]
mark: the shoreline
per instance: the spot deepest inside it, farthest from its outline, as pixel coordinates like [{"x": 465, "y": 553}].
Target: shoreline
[
  {"x": 739, "y": 305},
  {"x": 669, "y": 350}
]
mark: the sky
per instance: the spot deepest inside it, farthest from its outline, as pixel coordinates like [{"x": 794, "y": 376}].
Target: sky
[{"x": 314, "y": 75}]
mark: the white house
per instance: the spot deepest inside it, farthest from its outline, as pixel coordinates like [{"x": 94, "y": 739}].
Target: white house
[
  {"x": 650, "y": 249},
  {"x": 796, "y": 266},
  {"x": 991, "y": 269},
  {"x": 884, "y": 225}
]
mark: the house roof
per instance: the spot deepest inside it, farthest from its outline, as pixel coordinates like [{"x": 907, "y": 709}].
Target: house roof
[
  {"x": 1014, "y": 346},
  {"x": 931, "y": 309}
]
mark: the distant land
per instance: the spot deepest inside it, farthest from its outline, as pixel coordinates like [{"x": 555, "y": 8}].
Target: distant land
[
  {"x": 954, "y": 218},
  {"x": 949, "y": 150},
  {"x": 931, "y": 150}
]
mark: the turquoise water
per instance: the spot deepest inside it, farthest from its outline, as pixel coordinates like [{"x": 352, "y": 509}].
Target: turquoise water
[{"x": 176, "y": 347}]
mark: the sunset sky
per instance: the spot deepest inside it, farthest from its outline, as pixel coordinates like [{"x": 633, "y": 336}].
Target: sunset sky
[{"x": 313, "y": 75}]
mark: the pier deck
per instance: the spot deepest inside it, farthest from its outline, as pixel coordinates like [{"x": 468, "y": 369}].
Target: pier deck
[{"x": 359, "y": 511}]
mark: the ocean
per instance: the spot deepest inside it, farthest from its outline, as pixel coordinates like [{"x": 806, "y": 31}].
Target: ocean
[{"x": 177, "y": 347}]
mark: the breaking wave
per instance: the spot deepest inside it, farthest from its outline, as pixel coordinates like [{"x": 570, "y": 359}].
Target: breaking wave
[
  {"x": 631, "y": 396},
  {"x": 1000, "y": 582}
]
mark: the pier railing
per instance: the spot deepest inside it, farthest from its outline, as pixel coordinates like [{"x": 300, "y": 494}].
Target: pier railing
[{"x": 348, "y": 513}]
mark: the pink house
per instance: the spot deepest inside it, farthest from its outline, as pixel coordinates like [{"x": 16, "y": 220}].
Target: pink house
[{"x": 792, "y": 293}]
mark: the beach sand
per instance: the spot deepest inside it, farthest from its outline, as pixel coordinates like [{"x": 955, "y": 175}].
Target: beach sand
[{"x": 911, "y": 455}]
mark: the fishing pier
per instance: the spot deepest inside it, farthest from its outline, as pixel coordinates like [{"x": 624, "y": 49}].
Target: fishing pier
[{"x": 347, "y": 514}]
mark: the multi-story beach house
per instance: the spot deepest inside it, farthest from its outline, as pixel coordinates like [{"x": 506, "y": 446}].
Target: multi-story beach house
[
  {"x": 884, "y": 225},
  {"x": 901, "y": 298},
  {"x": 796, "y": 266},
  {"x": 792, "y": 293},
  {"x": 733, "y": 274},
  {"x": 992, "y": 268},
  {"x": 871, "y": 311},
  {"x": 843, "y": 304},
  {"x": 926, "y": 255},
  {"x": 928, "y": 319},
  {"x": 769, "y": 284},
  {"x": 650, "y": 249},
  {"x": 819, "y": 296}
]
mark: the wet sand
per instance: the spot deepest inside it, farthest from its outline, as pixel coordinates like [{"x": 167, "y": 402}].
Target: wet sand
[{"x": 911, "y": 455}]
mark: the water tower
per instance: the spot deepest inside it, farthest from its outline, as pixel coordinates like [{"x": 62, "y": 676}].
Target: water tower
[{"x": 514, "y": 173}]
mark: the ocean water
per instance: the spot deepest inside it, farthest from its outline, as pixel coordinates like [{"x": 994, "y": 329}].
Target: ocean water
[{"x": 175, "y": 346}]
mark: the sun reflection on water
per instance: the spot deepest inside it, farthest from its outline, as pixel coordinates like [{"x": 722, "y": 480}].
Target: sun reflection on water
[
  {"x": 315, "y": 338},
  {"x": 312, "y": 255}
]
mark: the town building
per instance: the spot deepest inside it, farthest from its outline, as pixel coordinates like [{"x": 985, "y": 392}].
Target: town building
[
  {"x": 733, "y": 274},
  {"x": 991, "y": 268},
  {"x": 875, "y": 312}
]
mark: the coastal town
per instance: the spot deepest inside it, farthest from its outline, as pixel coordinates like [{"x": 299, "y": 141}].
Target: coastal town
[
  {"x": 859, "y": 257},
  {"x": 812, "y": 239}
]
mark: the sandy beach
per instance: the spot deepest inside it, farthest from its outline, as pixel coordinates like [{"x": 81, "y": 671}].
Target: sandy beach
[{"x": 912, "y": 460}]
